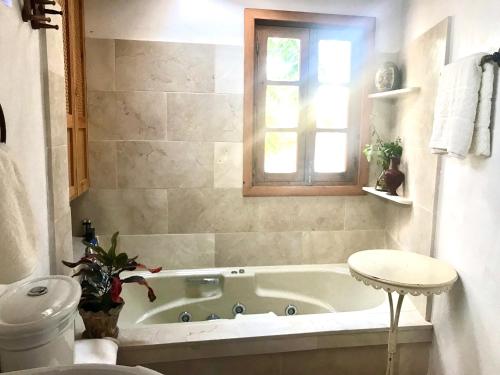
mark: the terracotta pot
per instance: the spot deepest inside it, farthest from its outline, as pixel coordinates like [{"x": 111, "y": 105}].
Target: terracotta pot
[
  {"x": 100, "y": 324},
  {"x": 394, "y": 177}
]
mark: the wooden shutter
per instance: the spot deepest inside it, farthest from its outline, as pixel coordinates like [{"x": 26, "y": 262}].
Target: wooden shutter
[{"x": 74, "y": 55}]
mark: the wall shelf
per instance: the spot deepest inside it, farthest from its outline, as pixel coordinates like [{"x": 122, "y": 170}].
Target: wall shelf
[
  {"x": 392, "y": 198},
  {"x": 394, "y": 94}
]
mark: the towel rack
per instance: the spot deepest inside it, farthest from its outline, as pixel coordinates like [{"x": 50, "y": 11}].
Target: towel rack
[
  {"x": 491, "y": 58},
  {"x": 3, "y": 128}
]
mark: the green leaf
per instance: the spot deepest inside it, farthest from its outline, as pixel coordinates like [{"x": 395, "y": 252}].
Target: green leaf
[
  {"x": 112, "y": 249},
  {"x": 121, "y": 260}
]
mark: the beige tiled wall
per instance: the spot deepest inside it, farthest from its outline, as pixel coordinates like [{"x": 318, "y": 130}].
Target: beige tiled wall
[
  {"x": 57, "y": 152},
  {"x": 166, "y": 167},
  {"x": 412, "y": 228}
]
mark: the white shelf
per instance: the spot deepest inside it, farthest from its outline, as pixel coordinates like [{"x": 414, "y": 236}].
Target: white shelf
[
  {"x": 392, "y": 198},
  {"x": 394, "y": 94}
]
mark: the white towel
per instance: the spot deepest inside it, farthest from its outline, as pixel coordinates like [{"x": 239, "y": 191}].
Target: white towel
[
  {"x": 103, "y": 351},
  {"x": 481, "y": 140},
  {"x": 17, "y": 226},
  {"x": 457, "y": 104}
]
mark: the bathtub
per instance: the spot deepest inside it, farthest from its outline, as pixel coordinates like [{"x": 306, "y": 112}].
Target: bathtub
[
  {"x": 224, "y": 293},
  {"x": 332, "y": 313}
]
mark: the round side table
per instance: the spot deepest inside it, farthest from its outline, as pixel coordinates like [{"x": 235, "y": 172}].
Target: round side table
[{"x": 404, "y": 273}]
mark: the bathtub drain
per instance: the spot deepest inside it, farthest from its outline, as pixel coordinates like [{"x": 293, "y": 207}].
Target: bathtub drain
[
  {"x": 291, "y": 310},
  {"x": 185, "y": 317},
  {"x": 239, "y": 308}
]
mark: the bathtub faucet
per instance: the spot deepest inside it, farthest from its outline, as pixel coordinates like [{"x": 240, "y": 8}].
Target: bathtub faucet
[{"x": 203, "y": 280}]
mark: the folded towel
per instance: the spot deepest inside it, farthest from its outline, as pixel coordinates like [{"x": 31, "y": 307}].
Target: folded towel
[
  {"x": 103, "y": 351},
  {"x": 457, "y": 105},
  {"x": 18, "y": 249},
  {"x": 481, "y": 140}
]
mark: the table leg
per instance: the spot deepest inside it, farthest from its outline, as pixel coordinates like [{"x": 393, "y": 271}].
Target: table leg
[{"x": 392, "y": 346}]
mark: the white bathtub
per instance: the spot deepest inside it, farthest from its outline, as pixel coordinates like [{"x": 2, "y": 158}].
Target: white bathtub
[
  {"x": 211, "y": 293},
  {"x": 335, "y": 313}
]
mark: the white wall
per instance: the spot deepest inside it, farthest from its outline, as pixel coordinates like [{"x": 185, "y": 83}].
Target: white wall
[
  {"x": 467, "y": 323},
  {"x": 221, "y": 21},
  {"x": 21, "y": 99}
]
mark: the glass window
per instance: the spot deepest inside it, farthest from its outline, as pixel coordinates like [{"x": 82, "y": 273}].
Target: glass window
[{"x": 283, "y": 59}]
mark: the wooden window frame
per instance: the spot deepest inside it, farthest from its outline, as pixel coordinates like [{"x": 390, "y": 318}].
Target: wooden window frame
[{"x": 258, "y": 17}]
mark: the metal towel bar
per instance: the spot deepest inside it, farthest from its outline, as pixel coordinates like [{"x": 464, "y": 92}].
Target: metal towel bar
[
  {"x": 495, "y": 57},
  {"x": 3, "y": 127}
]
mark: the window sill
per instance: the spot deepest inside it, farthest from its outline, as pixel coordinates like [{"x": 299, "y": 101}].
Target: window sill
[
  {"x": 284, "y": 191},
  {"x": 392, "y": 198}
]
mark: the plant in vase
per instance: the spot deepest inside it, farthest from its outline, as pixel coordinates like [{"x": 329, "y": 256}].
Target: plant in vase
[
  {"x": 385, "y": 152},
  {"x": 101, "y": 282}
]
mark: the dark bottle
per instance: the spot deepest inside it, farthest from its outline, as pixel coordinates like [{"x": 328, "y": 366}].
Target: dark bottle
[{"x": 394, "y": 177}]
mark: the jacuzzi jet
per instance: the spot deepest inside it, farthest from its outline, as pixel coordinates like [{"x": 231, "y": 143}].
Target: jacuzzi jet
[
  {"x": 291, "y": 310},
  {"x": 213, "y": 317},
  {"x": 185, "y": 317},
  {"x": 239, "y": 308}
]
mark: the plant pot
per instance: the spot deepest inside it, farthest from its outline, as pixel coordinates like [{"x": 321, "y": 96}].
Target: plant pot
[
  {"x": 381, "y": 185},
  {"x": 101, "y": 323},
  {"x": 394, "y": 177}
]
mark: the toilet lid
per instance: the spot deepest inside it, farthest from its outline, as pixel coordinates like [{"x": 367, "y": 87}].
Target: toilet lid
[{"x": 37, "y": 304}]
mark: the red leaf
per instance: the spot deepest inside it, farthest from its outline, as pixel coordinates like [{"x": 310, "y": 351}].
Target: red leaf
[
  {"x": 152, "y": 270},
  {"x": 141, "y": 281},
  {"x": 116, "y": 289}
]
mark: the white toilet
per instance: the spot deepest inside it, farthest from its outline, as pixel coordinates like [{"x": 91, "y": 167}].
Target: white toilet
[{"x": 37, "y": 323}]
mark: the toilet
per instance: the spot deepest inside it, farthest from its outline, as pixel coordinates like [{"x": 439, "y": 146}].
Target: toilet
[{"x": 37, "y": 323}]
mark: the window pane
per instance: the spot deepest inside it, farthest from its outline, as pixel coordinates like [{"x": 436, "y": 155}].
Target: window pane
[
  {"x": 334, "y": 61},
  {"x": 331, "y": 104},
  {"x": 283, "y": 59},
  {"x": 330, "y": 153},
  {"x": 280, "y": 152},
  {"x": 282, "y": 106}
]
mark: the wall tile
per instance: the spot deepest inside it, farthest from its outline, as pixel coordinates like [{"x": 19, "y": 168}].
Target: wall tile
[
  {"x": 57, "y": 110},
  {"x": 229, "y": 69},
  {"x": 141, "y": 115},
  {"x": 228, "y": 165},
  {"x": 172, "y": 251},
  {"x": 127, "y": 115},
  {"x": 191, "y": 210},
  {"x": 127, "y": 211},
  {"x": 391, "y": 243},
  {"x": 365, "y": 212},
  {"x": 336, "y": 361},
  {"x": 265, "y": 364},
  {"x": 205, "y": 117},
  {"x": 165, "y": 164},
  {"x": 257, "y": 249},
  {"x": 159, "y": 66},
  {"x": 63, "y": 244},
  {"x": 235, "y": 213},
  {"x": 59, "y": 181},
  {"x": 337, "y": 246},
  {"x": 302, "y": 213},
  {"x": 101, "y": 108},
  {"x": 102, "y": 165},
  {"x": 100, "y": 63},
  {"x": 415, "y": 230}
]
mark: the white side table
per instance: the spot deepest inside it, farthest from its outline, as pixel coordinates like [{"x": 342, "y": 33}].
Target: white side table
[{"x": 402, "y": 272}]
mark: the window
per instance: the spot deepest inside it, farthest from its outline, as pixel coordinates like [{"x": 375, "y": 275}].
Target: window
[{"x": 305, "y": 106}]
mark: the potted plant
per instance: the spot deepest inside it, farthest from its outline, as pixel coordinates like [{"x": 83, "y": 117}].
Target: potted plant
[
  {"x": 383, "y": 152},
  {"x": 101, "y": 282}
]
